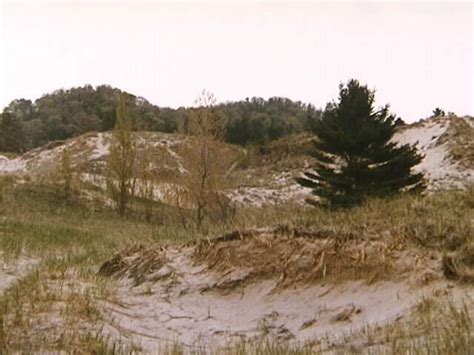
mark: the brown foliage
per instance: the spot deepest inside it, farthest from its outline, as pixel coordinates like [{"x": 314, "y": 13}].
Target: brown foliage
[{"x": 207, "y": 163}]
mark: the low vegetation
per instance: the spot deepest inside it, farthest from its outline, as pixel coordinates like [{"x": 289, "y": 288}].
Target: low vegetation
[
  {"x": 72, "y": 241},
  {"x": 435, "y": 325}
]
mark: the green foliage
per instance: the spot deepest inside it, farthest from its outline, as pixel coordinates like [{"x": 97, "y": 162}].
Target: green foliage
[
  {"x": 356, "y": 157},
  {"x": 12, "y": 135},
  {"x": 63, "y": 174},
  {"x": 258, "y": 120},
  {"x": 68, "y": 113},
  {"x": 437, "y": 112},
  {"x": 121, "y": 160}
]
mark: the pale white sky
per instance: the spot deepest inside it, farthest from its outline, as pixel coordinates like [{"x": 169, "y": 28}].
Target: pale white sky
[{"x": 417, "y": 55}]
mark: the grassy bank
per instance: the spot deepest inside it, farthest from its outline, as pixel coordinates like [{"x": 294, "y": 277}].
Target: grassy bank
[{"x": 72, "y": 237}]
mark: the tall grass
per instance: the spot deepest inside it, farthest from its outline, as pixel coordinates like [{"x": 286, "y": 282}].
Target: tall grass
[{"x": 436, "y": 326}]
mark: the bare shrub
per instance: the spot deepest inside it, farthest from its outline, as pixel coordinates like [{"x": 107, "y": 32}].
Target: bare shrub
[{"x": 207, "y": 162}]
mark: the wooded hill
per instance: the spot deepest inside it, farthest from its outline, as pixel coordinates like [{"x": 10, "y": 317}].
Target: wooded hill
[{"x": 63, "y": 114}]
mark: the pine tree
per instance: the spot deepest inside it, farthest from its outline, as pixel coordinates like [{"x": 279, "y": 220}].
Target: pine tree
[
  {"x": 437, "y": 112},
  {"x": 356, "y": 157},
  {"x": 121, "y": 161}
]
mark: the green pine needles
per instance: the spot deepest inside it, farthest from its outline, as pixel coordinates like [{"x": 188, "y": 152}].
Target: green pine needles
[{"x": 356, "y": 157}]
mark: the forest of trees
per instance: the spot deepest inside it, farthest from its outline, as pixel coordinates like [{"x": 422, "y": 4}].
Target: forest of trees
[{"x": 68, "y": 113}]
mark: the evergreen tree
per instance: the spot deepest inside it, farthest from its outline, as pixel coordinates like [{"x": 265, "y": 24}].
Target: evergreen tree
[
  {"x": 437, "y": 112},
  {"x": 355, "y": 154}
]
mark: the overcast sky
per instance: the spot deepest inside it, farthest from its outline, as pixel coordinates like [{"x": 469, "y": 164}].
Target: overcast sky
[{"x": 416, "y": 55}]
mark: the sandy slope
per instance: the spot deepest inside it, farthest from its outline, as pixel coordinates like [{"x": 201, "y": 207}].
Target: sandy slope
[
  {"x": 12, "y": 270},
  {"x": 434, "y": 139},
  {"x": 446, "y": 143},
  {"x": 184, "y": 314},
  {"x": 190, "y": 296},
  {"x": 90, "y": 151}
]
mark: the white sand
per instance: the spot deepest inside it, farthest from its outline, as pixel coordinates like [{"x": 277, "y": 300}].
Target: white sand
[
  {"x": 181, "y": 304},
  {"x": 100, "y": 148},
  {"x": 437, "y": 166},
  {"x": 12, "y": 270},
  {"x": 11, "y": 165}
]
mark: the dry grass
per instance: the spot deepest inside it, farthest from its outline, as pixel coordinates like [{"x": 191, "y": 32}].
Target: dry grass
[
  {"x": 459, "y": 265},
  {"x": 262, "y": 347},
  {"x": 55, "y": 308},
  {"x": 135, "y": 262},
  {"x": 52, "y": 309},
  {"x": 385, "y": 239},
  {"x": 292, "y": 256},
  {"x": 460, "y": 139},
  {"x": 303, "y": 256},
  {"x": 436, "y": 325},
  {"x": 73, "y": 240}
]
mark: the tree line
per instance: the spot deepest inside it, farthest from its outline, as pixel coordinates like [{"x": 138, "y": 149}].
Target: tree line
[{"x": 64, "y": 114}]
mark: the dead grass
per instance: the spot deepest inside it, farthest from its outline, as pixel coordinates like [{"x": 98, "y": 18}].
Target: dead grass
[
  {"x": 460, "y": 139},
  {"x": 436, "y": 325},
  {"x": 459, "y": 265},
  {"x": 262, "y": 347},
  {"x": 134, "y": 263},
  {"x": 298, "y": 256},
  {"x": 292, "y": 256},
  {"x": 381, "y": 239},
  {"x": 52, "y": 309},
  {"x": 405, "y": 237}
]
